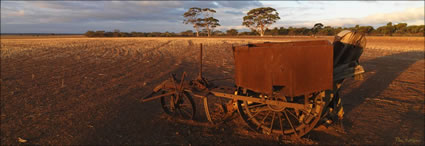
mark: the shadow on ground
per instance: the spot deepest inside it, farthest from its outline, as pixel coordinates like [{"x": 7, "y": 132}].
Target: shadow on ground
[
  {"x": 136, "y": 123},
  {"x": 380, "y": 73}
]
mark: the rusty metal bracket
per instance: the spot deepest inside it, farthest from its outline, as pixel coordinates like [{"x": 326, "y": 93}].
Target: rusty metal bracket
[
  {"x": 258, "y": 100},
  {"x": 157, "y": 97}
]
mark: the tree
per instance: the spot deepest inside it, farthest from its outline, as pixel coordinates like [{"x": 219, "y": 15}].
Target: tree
[
  {"x": 260, "y": 19},
  {"x": 283, "y": 31},
  {"x": 187, "y": 33},
  {"x": 209, "y": 22},
  {"x": 303, "y": 31},
  {"x": 89, "y": 33},
  {"x": 232, "y": 32},
  {"x": 316, "y": 28},
  {"x": 327, "y": 30},
  {"x": 99, "y": 33},
  {"x": 134, "y": 34},
  {"x": 117, "y": 33},
  {"x": 365, "y": 29},
  {"x": 274, "y": 31},
  {"x": 203, "y": 32},
  {"x": 124, "y": 34},
  {"x": 218, "y": 33},
  {"x": 400, "y": 28},
  {"x": 389, "y": 29},
  {"x": 291, "y": 30},
  {"x": 191, "y": 17},
  {"x": 413, "y": 29}
]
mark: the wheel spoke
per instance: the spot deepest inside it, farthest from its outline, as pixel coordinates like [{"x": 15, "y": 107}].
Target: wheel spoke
[
  {"x": 271, "y": 125},
  {"x": 172, "y": 103},
  {"x": 179, "y": 105},
  {"x": 181, "y": 113},
  {"x": 259, "y": 111},
  {"x": 290, "y": 123},
  {"x": 290, "y": 113},
  {"x": 280, "y": 122},
  {"x": 187, "y": 112},
  {"x": 257, "y": 105},
  {"x": 264, "y": 119},
  {"x": 177, "y": 99}
]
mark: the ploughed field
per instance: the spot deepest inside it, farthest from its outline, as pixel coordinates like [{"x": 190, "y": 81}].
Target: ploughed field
[{"x": 87, "y": 91}]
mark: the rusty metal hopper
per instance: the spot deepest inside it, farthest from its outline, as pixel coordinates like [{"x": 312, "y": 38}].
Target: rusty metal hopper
[{"x": 297, "y": 68}]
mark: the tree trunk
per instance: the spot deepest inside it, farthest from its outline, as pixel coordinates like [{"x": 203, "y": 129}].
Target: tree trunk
[
  {"x": 261, "y": 30},
  {"x": 197, "y": 31},
  {"x": 208, "y": 30}
]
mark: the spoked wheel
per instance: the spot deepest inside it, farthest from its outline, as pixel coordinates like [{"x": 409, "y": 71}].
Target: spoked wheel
[
  {"x": 181, "y": 106},
  {"x": 217, "y": 109},
  {"x": 282, "y": 120}
]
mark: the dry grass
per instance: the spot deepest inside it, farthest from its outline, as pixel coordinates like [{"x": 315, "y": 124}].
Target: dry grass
[
  {"x": 133, "y": 46},
  {"x": 396, "y": 43}
]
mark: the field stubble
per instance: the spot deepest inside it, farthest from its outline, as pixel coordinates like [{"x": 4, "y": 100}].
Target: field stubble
[{"x": 85, "y": 91}]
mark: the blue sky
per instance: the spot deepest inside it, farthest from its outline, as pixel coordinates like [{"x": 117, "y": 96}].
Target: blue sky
[{"x": 150, "y": 16}]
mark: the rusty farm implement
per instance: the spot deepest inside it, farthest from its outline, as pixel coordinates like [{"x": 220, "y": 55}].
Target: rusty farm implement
[{"x": 282, "y": 88}]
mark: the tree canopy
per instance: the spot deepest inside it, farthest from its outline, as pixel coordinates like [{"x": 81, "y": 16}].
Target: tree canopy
[
  {"x": 192, "y": 17},
  {"x": 317, "y": 27},
  {"x": 260, "y": 19},
  {"x": 209, "y": 22},
  {"x": 232, "y": 32}
]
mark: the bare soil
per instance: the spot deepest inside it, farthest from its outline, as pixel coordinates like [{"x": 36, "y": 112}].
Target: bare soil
[{"x": 69, "y": 91}]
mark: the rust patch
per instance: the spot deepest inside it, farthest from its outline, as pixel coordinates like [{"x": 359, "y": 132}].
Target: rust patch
[{"x": 300, "y": 67}]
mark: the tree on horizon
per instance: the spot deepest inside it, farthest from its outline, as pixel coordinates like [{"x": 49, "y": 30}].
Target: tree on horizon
[
  {"x": 192, "y": 17},
  {"x": 260, "y": 19}
]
